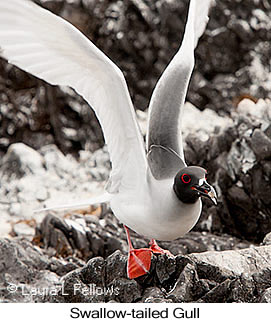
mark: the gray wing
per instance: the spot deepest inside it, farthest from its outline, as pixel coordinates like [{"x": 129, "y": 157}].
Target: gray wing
[
  {"x": 164, "y": 160},
  {"x": 164, "y": 138}
]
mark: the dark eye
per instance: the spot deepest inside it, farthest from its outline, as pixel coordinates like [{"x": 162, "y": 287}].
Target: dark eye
[{"x": 186, "y": 178}]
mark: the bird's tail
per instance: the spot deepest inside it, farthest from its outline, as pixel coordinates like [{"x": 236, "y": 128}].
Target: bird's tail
[{"x": 106, "y": 197}]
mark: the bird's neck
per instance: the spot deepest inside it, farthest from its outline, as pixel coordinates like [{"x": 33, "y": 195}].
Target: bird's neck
[{"x": 185, "y": 196}]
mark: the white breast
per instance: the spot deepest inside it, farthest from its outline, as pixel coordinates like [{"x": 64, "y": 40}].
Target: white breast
[{"x": 155, "y": 211}]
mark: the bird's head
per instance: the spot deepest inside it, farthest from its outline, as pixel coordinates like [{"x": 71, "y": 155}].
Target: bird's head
[{"x": 190, "y": 183}]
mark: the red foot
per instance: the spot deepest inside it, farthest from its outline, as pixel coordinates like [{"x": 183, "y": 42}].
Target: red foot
[
  {"x": 139, "y": 262},
  {"x": 156, "y": 249}
]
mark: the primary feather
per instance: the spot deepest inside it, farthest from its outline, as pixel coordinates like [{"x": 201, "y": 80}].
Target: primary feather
[
  {"x": 165, "y": 110},
  {"x": 50, "y": 48}
]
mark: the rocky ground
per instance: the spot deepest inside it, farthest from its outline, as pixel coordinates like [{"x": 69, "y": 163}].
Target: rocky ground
[{"x": 50, "y": 148}]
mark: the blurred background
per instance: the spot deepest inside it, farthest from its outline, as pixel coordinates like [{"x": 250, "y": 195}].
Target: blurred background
[{"x": 141, "y": 37}]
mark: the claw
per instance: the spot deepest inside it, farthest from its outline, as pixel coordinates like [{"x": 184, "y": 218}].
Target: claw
[{"x": 156, "y": 249}]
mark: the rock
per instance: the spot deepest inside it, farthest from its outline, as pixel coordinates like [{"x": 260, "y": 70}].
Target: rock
[
  {"x": 20, "y": 259},
  {"x": 61, "y": 267},
  {"x": 125, "y": 290},
  {"x": 241, "y": 174},
  {"x": 21, "y": 160},
  {"x": 55, "y": 233},
  {"x": 261, "y": 144},
  {"x": 165, "y": 267},
  {"x": 217, "y": 281},
  {"x": 266, "y": 296},
  {"x": 243, "y": 290},
  {"x": 5, "y": 228},
  {"x": 219, "y": 294},
  {"x": 183, "y": 289},
  {"x": 96, "y": 243},
  {"x": 61, "y": 237},
  {"x": 213, "y": 276},
  {"x": 262, "y": 279},
  {"x": 116, "y": 265},
  {"x": 93, "y": 271},
  {"x": 63, "y": 179},
  {"x": 259, "y": 110},
  {"x": 152, "y": 293},
  {"x": 267, "y": 239},
  {"x": 75, "y": 291},
  {"x": 158, "y": 300},
  {"x": 208, "y": 122},
  {"x": 25, "y": 276},
  {"x": 229, "y": 263},
  {"x": 23, "y": 229}
]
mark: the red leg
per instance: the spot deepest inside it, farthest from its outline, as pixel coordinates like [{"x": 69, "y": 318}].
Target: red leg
[
  {"x": 139, "y": 260},
  {"x": 156, "y": 249}
]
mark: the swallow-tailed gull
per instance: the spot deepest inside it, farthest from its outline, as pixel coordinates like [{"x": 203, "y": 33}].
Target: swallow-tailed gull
[{"x": 152, "y": 190}]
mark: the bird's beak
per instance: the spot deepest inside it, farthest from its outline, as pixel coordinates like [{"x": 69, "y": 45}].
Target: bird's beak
[{"x": 207, "y": 190}]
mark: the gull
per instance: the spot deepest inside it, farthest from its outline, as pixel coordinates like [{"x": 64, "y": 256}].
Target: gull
[{"x": 151, "y": 190}]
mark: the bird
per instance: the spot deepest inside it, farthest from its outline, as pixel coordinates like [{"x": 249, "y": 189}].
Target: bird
[{"x": 151, "y": 190}]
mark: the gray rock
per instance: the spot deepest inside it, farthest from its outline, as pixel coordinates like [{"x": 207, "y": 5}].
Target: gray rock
[
  {"x": 231, "y": 263},
  {"x": 208, "y": 122},
  {"x": 266, "y": 296},
  {"x": 219, "y": 294},
  {"x": 116, "y": 265},
  {"x": 23, "y": 229},
  {"x": 25, "y": 274},
  {"x": 183, "y": 289},
  {"x": 262, "y": 279},
  {"x": 225, "y": 276},
  {"x": 152, "y": 293},
  {"x": 243, "y": 290},
  {"x": 267, "y": 239},
  {"x": 61, "y": 267},
  {"x": 75, "y": 291},
  {"x": 165, "y": 267},
  {"x": 158, "y": 300},
  {"x": 20, "y": 259},
  {"x": 21, "y": 160},
  {"x": 93, "y": 271},
  {"x": 55, "y": 233},
  {"x": 96, "y": 243},
  {"x": 105, "y": 240},
  {"x": 261, "y": 144},
  {"x": 238, "y": 290},
  {"x": 242, "y": 177},
  {"x": 125, "y": 290}
]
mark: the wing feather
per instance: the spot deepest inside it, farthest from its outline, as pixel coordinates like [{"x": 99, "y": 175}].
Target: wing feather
[
  {"x": 164, "y": 139},
  {"x": 50, "y": 48}
]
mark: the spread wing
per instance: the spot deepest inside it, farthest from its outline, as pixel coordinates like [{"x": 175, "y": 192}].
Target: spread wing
[
  {"x": 50, "y": 48},
  {"x": 164, "y": 138}
]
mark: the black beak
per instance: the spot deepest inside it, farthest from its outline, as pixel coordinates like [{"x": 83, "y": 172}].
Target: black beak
[{"x": 207, "y": 190}]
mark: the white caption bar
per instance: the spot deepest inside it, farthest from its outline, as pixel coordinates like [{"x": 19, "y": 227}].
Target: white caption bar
[{"x": 115, "y": 312}]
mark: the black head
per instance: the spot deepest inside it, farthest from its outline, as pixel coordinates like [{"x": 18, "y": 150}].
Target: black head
[{"x": 190, "y": 183}]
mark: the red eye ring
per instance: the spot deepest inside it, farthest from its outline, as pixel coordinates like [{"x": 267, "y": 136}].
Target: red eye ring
[{"x": 186, "y": 178}]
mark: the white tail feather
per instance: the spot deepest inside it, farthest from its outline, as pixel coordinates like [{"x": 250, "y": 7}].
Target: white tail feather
[{"x": 106, "y": 197}]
